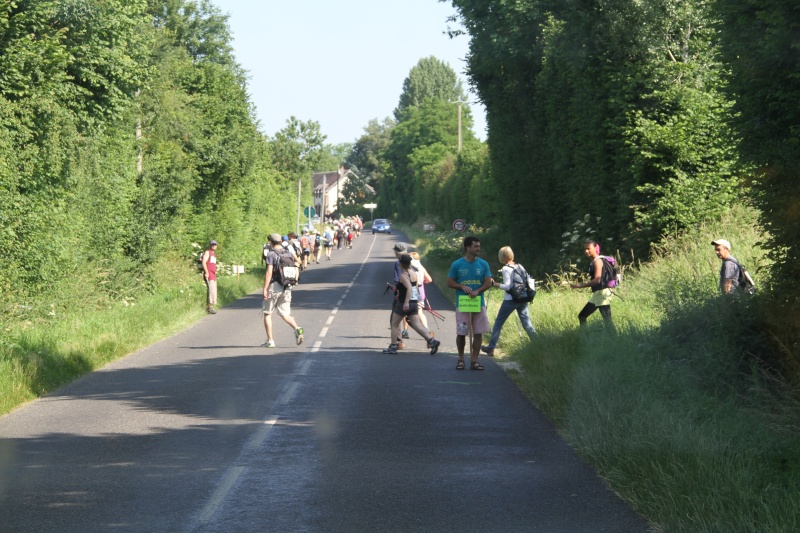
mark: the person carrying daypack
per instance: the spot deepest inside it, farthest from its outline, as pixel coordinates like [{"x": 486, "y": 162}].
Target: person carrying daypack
[
  {"x": 306, "y": 247},
  {"x": 328, "y": 238},
  {"x": 610, "y": 277},
  {"x": 601, "y": 295},
  {"x": 520, "y": 290},
  {"x": 317, "y": 245},
  {"x": 280, "y": 277},
  {"x": 733, "y": 277}
]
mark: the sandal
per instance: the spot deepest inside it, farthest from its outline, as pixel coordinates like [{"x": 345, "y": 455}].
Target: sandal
[
  {"x": 460, "y": 365},
  {"x": 475, "y": 366}
]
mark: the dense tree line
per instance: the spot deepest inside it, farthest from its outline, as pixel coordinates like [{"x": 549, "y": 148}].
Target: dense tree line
[
  {"x": 413, "y": 160},
  {"x": 761, "y": 43},
  {"x": 126, "y": 134},
  {"x": 616, "y": 109},
  {"x": 652, "y": 117}
]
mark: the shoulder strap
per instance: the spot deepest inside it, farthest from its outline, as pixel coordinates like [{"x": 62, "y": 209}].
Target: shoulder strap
[{"x": 520, "y": 270}]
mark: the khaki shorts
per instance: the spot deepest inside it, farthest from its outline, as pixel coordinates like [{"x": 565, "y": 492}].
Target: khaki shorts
[
  {"x": 601, "y": 297},
  {"x": 277, "y": 298},
  {"x": 480, "y": 323}
]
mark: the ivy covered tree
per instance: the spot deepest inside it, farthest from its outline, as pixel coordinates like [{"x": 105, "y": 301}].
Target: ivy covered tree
[{"x": 615, "y": 108}]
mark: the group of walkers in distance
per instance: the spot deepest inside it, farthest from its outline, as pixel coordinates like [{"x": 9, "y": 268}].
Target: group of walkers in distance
[{"x": 470, "y": 276}]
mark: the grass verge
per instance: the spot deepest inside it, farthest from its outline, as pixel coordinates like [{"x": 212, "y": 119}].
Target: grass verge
[
  {"x": 681, "y": 410},
  {"x": 38, "y": 358}
]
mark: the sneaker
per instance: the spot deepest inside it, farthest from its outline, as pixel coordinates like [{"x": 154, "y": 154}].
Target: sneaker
[
  {"x": 298, "y": 335},
  {"x": 405, "y": 333},
  {"x": 488, "y": 351},
  {"x": 212, "y": 311},
  {"x": 268, "y": 344},
  {"x": 391, "y": 349},
  {"x": 434, "y": 346}
]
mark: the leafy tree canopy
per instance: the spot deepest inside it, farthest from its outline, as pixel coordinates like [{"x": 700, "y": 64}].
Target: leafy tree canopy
[{"x": 430, "y": 78}]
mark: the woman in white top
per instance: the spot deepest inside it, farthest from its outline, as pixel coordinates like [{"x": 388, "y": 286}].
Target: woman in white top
[
  {"x": 510, "y": 275},
  {"x": 423, "y": 277}
]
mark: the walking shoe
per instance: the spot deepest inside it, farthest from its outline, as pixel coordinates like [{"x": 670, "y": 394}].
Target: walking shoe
[
  {"x": 433, "y": 344},
  {"x": 405, "y": 333},
  {"x": 212, "y": 311},
  {"x": 400, "y": 345},
  {"x": 298, "y": 335},
  {"x": 391, "y": 349},
  {"x": 488, "y": 351},
  {"x": 268, "y": 344}
]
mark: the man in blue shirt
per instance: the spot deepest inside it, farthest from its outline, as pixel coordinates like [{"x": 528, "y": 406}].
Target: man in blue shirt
[{"x": 470, "y": 276}]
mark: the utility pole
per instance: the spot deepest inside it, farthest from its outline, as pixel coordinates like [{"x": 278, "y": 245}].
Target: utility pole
[
  {"x": 299, "y": 201},
  {"x": 460, "y": 103},
  {"x": 324, "y": 194}
]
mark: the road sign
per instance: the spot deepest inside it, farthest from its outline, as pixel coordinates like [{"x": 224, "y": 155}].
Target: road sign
[
  {"x": 309, "y": 211},
  {"x": 370, "y": 206},
  {"x": 459, "y": 225}
]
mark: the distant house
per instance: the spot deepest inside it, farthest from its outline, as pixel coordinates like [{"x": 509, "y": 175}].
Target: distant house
[{"x": 333, "y": 182}]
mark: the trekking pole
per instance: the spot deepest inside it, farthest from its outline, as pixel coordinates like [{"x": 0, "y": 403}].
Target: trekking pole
[{"x": 436, "y": 316}]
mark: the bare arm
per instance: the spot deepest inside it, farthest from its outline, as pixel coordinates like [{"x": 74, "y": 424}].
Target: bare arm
[
  {"x": 267, "y": 280},
  {"x": 596, "y": 280}
]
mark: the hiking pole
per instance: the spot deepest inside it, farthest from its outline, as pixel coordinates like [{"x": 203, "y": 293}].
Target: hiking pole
[{"x": 436, "y": 316}]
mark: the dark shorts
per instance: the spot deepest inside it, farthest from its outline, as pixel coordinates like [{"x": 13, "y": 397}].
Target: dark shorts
[{"x": 413, "y": 308}]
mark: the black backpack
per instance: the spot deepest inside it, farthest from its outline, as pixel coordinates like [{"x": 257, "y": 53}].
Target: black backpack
[
  {"x": 609, "y": 278},
  {"x": 524, "y": 290},
  {"x": 744, "y": 281},
  {"x": 200, "y": 262},
  {"x": 285, "y": 272}
]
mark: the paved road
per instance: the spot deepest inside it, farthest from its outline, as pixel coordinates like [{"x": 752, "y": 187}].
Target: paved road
[{"x": 207, "y": 432}]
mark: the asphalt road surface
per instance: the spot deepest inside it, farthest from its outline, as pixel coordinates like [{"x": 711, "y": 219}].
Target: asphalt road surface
[{"x": 208, "y": 432}]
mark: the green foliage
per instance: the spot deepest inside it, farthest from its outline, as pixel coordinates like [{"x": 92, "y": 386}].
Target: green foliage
[
  {"x": 126, "y": 133},
  {"x": 365, "y": 157},
  {"x": 617, "y": 108},
  {"x": 429, "y": 79},
  {"x": 760, "y": 43},
  {"x": 298, "y": 148},
  {"x": 421, "y": 158}
]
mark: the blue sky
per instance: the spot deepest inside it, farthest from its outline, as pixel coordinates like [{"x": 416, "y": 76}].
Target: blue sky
[{"x": 339, "y": 63}]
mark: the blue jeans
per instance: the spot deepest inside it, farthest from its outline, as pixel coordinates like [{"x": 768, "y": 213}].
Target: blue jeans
[{"x": 508, "y": 307}]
